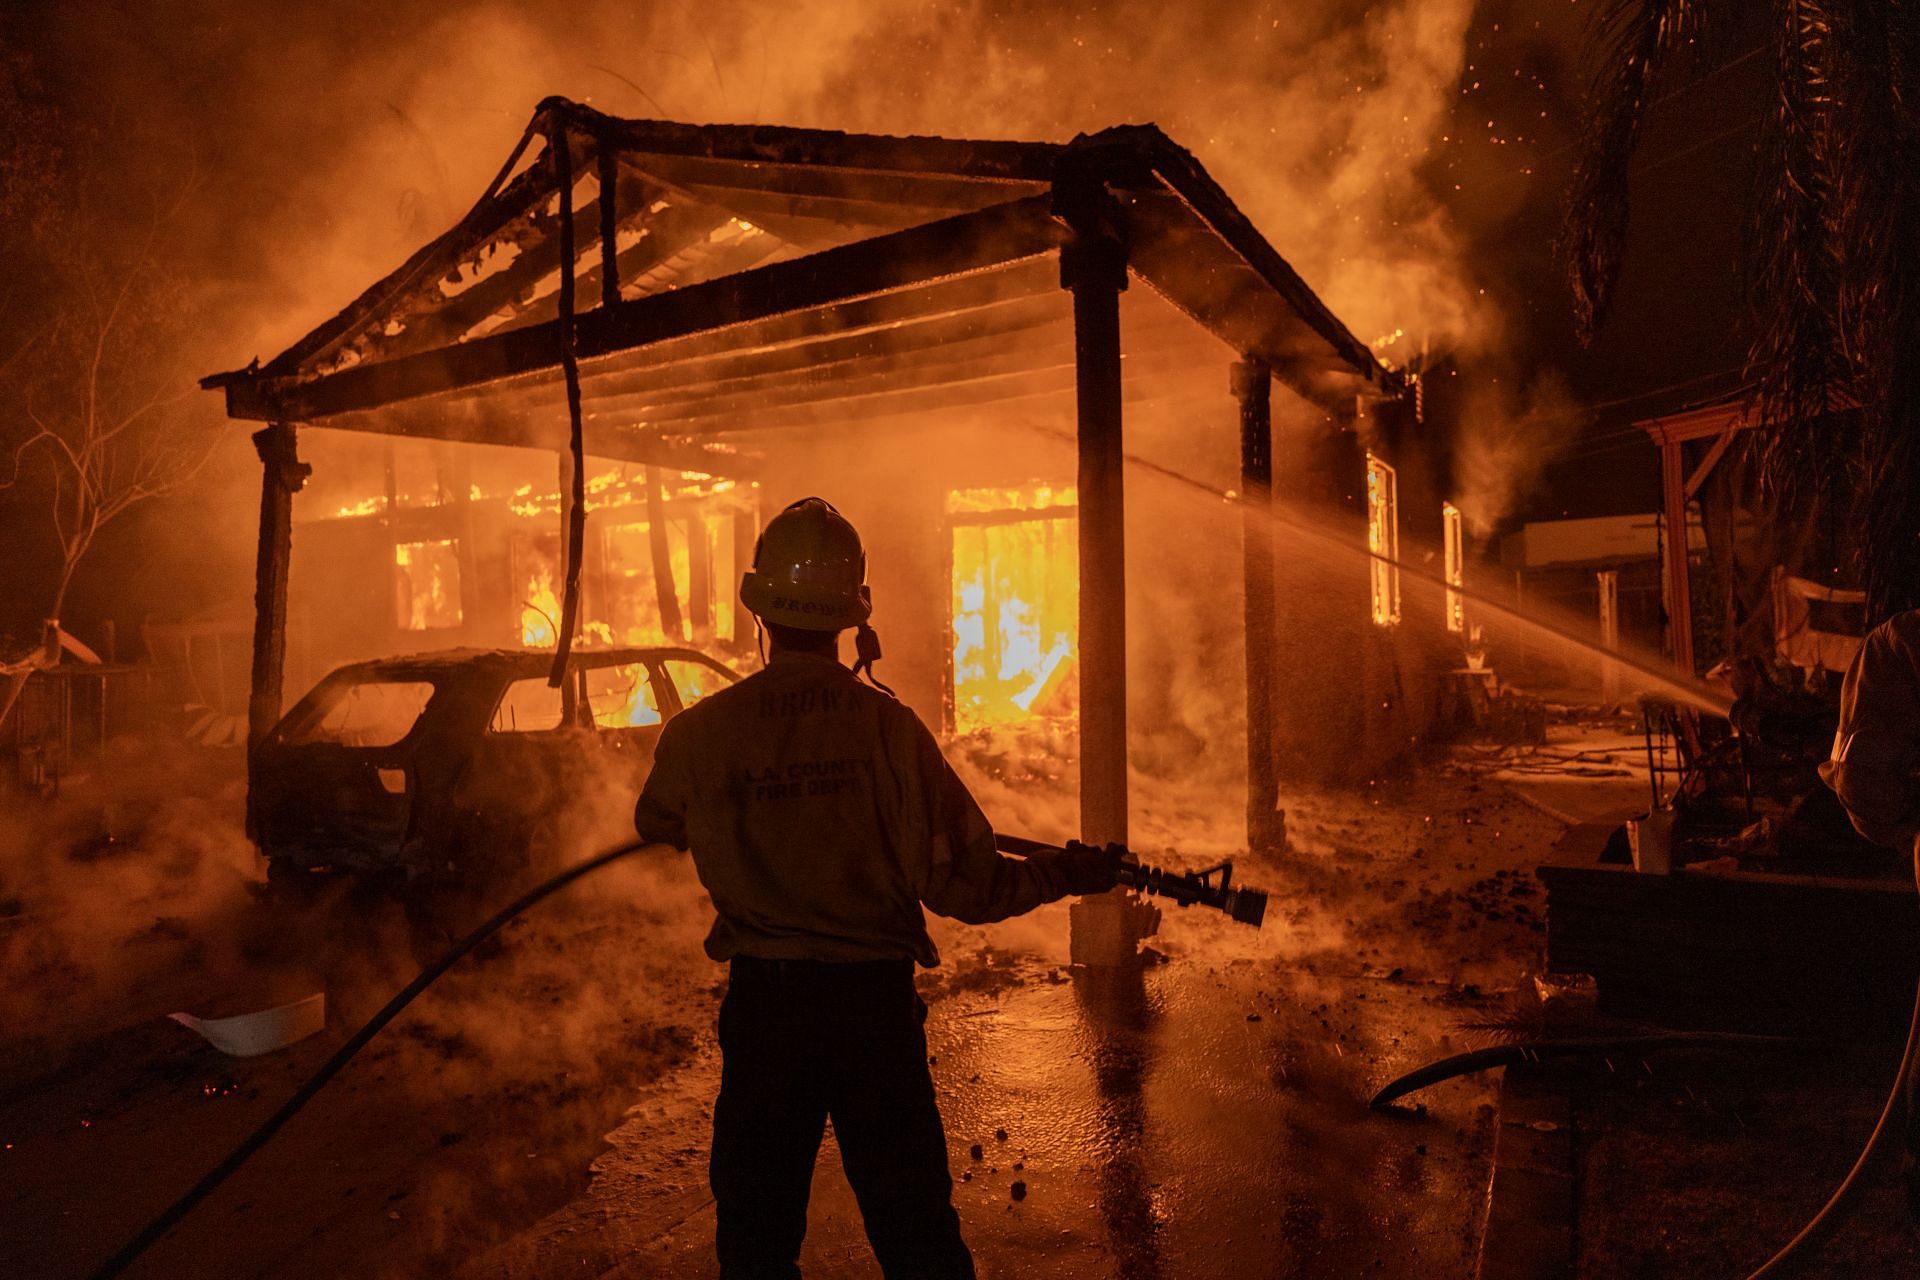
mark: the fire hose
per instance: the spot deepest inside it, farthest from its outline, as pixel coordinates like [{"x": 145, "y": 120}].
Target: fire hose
[
  {"x": 173, "y": 1213},
  {"x": 1184, "y": 888},
  {"x": 1245, "y": 905},
  {"x": 1883, "y": 1128}
]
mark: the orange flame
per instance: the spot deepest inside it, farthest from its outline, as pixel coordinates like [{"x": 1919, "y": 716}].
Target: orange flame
[
  {"x": 540, "y": 611},
  {"x": 1015, "y": 606}
]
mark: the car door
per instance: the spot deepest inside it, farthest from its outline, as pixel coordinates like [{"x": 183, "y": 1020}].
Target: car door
[
  {"x": 526, "y": 768},
  {"x": 334, "y": 782}
]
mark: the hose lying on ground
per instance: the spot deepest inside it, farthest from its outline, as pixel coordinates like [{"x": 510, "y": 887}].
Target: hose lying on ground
[
  {"x": 1843, "y": 1195},
  {"x": 1458, "y": 1064},
  {"x": 1506, "y": 1055},
  {"x": 173, "y": 1213},
  {"x": 1883, "y": 1129}
]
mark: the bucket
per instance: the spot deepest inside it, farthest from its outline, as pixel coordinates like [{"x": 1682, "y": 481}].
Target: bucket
[{"x": 1650, "y": 836}]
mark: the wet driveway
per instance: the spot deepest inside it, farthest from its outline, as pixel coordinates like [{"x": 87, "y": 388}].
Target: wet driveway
[
  {"x": 1153, "y": 1129},
  {"x": 1205, "y": 1117}
]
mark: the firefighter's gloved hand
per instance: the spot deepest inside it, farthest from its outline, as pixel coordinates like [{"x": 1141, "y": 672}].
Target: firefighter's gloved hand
[{"x": 1085, "y": 868}]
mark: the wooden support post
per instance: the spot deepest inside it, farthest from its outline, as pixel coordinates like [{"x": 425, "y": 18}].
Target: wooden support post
[
  {"x": 282, "y": 476},
  {"x": 1252, "y": 383},
  {"x": 1105, "y": 930},
  {"x": 457, "y": 467},
  {"x": 1094, "y": 268},
  {"x": 699, "y": 579},
  {"x": 1673, "y": 485},
  {"x": 666, "y": 592}
]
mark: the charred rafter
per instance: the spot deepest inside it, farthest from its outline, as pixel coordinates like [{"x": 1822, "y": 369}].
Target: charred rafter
[
  {"x": 955, "y": 364},
  {"x": 541, "y": 425},
  {"x": 969, "y": 242},
  {"x": 513, "y": 286},
  {"x": 416, "y": 283},
  {"x": 983, "y": 385}
]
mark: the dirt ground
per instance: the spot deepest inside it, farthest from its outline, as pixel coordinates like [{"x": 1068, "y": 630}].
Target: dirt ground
[
  {"x": 544, "y": 1107},
  {"x": 1704, "y": 1164},
  {"x": 476, "y": 1113}
]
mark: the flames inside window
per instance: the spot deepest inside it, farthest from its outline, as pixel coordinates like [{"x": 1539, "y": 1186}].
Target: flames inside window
[
  {"x": 700, "y": 559},
  {"x": 426, "y": 585},
  {"x": 1454, "y": 537},
  {"x": 537, "y": 582},
  {"x": 621, "y": 696},
  {"x": 1016, "y": 601},
  {"x": 1383, "y": 540}
]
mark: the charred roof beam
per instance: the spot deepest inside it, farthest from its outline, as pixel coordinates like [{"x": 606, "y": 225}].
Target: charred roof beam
[
  {"x": 958, "y": 373},
  {"x": 970, "y": 242},
  {"x": 485, "y": 223}
]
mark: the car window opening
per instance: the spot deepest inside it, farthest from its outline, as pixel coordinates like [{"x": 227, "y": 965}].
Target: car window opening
[
  {"x": 367, "y": 713},
  {"x": 622, "y": 696},
  {"x": 529, "y": 706},
  {"x": 694, "y": 680}
]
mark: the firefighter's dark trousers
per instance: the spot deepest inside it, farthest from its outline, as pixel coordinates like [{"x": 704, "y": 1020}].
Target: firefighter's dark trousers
[{"x": 802, "y": 1041}]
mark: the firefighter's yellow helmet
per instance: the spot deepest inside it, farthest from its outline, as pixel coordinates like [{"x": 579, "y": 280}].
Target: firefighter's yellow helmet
[{"x": 809, "y": 570}]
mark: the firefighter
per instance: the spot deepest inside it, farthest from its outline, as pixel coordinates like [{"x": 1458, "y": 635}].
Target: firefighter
[
  {"x": 1875, "y": 771},
  {"x": 821, "y": 816}
]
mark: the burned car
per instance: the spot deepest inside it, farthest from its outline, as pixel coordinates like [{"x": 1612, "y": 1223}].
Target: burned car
[{"x": 465, "y": 766}]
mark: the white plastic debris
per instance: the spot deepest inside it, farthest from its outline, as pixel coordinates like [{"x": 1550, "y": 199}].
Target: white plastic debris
[{"x": 249, "y": 1035}]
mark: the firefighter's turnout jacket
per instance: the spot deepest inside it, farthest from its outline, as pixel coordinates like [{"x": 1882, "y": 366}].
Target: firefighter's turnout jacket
[
  {"x": 1875, "y": 766},
  {"x": 821, "y": 815}
]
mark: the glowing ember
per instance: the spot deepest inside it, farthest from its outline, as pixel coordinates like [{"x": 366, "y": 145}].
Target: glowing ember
[{"x": 1016, "y": 600}]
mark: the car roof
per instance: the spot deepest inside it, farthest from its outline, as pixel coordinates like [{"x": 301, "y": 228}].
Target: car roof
[{"x": 532, "y": 662}]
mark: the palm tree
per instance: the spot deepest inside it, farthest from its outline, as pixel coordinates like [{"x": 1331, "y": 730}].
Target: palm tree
[{"x": 1833, "y": 259}]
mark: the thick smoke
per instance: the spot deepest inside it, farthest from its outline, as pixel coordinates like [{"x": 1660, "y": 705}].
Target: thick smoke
[
  {"x": 337, "y": 141},
  {"x": 1317, "y": 118},
  {"x": 1506, "y": 439},
  {"x": 330, "y": 142}
]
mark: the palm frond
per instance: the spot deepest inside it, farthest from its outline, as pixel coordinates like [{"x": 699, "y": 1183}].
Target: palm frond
[
  {"x": 1792, "y": 262},
  {"x": 1834, "y": 266},
  {"x": 1635, "y": 41},
  {"x": 1878, "y": 303}
]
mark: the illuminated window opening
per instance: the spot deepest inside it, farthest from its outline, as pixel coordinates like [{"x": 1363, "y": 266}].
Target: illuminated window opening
[
  {"x": 620, "y": 603},
  {"x": 636, "y": 597},
  {"x": 1016, "y": 605},
  {"x": 535, "y": 569},
  {"x": 701, "y": 556},
  {"x": 364, "y": 713},
  {"x": 426, "y": 585},
  {"x": 1454, "y": 537},
  {"x": 1383, "y": 540}
]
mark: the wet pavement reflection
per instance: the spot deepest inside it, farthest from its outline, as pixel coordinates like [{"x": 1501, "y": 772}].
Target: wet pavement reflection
[
  {"x": 1185, "y": 1121},
  {"x": 1202, "y": 1118},
  {"x": 1117, "y": 1033}
]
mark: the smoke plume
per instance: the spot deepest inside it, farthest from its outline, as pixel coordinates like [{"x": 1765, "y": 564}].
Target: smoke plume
[{"x": 1506, "y": 439}]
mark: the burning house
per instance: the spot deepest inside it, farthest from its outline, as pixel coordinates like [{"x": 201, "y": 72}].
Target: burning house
[{"x": 1071, "y": 485}]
